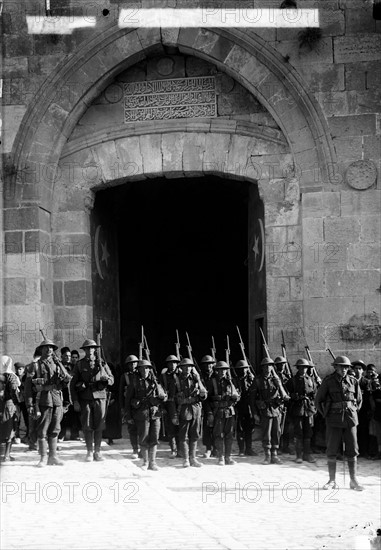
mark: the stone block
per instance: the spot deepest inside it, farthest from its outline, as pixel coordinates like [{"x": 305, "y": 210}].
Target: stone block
[
  {"x": 15, "y": 67},
  {"x": 71, "y": 222},
  {"x": 313, "y": 284},
  {"x": 150, "y": 146},
  {"x": 359, "y": 20},
  {"x": 21, "y": 218},
  {"x": 364, "y": 256},
  {"x": 216, "y": 152},
  {"x": 329, "y": 312},
  {"x": 341, "y": 230},
  {"x": 290, "y": 313},
  {"x": 351, "y": 283},
  {"x": 172, "y": 146},
  {"x": 331, "y": 203},
  {"x": 325, "y": 256},
  {"x": 72, "y": 268},
  {"x": 348, "y": 148},
  {"x": 296, "y": 288},
  {"x": 323, "y": 53},
  {"x": 78, "y": 319},
  {"x": 312, "y": 205},
  {"x": 370, "y": 229},
  {"x": 130, "y": 156},
  {"x": 354, "y": 125},
  {"x": 359, "y": 47},
  {"x": 278, "y": 289},
  {"x": 355, "y": 76},
  {"x": 360, "y": 203},
  {"x": 14, "y": 291},
  {"x": 194, "y": 147},
  {"x": 47, "y": 44},
  {"x": 12, "y": 117},
  {"x": 36, "y": 241},
  {"x": 274, "y": 191},
  {"x": 312, "y": 231},
  {"x": 97, "y": 116},
  {"x": 373, "y": 77},
  {"x": 13, "y": 242},
  {"x": 106, "y": 157},
  {"x": 46, "y": 287},
  {"x": 198, "y": 67},
  {"x": 71, "y": 245},
  {"x": 78, "y": 293},
  {"x": 321, "y": 77},
  {"x": 372, "y": 147}
]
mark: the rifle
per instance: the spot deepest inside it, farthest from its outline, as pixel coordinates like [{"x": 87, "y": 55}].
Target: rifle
[
  {"x": 56, "y": 359},
  {"x": 313, "y": 368},
  {"x": 141, "y": 345},
  {"x": 213, "y": 349},
  {"x": 148, "y": 354},
  {"x": 329, "y": 350},
  {"x": 284, "y": 353},
  {"x": 177, "y": 345},
  {"x": 190, "y": 356},
  {"x": 100, "y": 357},
  {"x": 343, "y": 442},
  {"x": 265, "y": 344},
  {"x": 242, "y": 346}
]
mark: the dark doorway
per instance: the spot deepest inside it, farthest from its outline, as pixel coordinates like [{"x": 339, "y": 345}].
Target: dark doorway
[{"x": 182, "y": 263}]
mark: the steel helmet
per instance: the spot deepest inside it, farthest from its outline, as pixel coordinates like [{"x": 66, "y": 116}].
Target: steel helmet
[
  {"x": 48, "y": 342},
  {"x": 131, "y": 359},
  {"x": 172, "y": 359},
  {"x": 144, "y": 363},
  {"x": 359, "y": 363},
  {"x": 221, "y": 365},
  {"x": 302, "y": 363},
  {"x": 280, "y": 360},
  {"x": 341, "y": 360},
  {"x": 208, "y": 359},
  {"x": 88, "y": 344},
  {"x": 186, "y": 363},
  {"x": 267, "y": 361},
  {"x": 242, "y": 364}
]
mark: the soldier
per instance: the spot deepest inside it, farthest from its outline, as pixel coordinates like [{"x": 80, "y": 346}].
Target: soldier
[
  {"x": 222, "y": 396},
  {"x": 143, "y": 407},
  {"x": 245, "y": 419},
  {"x": 338, "y": 399},
  {"x": 269, "y": 397},
  {"x": 186, "y": 393},
  {"x": 207, "y": 372},
  {"x": 167, "y": 379},
  {"x": 302, "y": 389},
  {"x": 43, "y": 387},
  {"x": 9, "y": 386},
  {"x": 91, "y": 377},
  {"x": 129, "y": 373},
  {"x": 284, "y": 376},
  {"x": 358, "y": 368}
]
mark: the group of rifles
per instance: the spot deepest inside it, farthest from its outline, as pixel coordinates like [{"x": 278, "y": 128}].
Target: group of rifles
[{"x": 185, "y": 402}]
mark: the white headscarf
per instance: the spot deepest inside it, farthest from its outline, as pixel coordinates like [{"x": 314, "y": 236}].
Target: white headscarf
[{"x": 7, "y": 366}]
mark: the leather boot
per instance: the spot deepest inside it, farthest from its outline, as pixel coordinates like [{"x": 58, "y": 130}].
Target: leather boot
[
  {"x": 97, "y": 446},
  {"x": 228, "y": 453},
  {"x": 144, "y": 453},
  {"x": 43, "y": 450},
  {"x": 267, "y": 459},
  {"x": 274, "y": 456},
  {"x": 331, "y": 483},
  {"x": 192, "y": 455},
  {"x": 53, "y": 459},
  {"x": 88, "y": 435},
  {"x": 352, "y": 466},
  {"x": 152, "y": 458},
  {"x": 248, "y": 447},
  {"x": 299, "y": 451},
  {"x": 307, "y": 456},
  {"x": 7, "y": 450},
  {"x": 185, "y": 453}
]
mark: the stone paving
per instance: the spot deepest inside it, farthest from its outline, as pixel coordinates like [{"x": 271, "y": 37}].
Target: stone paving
[{"x": 114, "y": 504}]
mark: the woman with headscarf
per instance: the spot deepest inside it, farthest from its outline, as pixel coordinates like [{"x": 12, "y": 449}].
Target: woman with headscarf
[{"x": 9, "y": 384}]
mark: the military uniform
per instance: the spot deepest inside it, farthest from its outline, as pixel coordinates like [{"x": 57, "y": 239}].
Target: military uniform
[
  {"x": 207, "y": 363},
  {"x": 186, "y": 394},
  {"x": 9, "y": 385},
  {"x": 268, "y": 400},
  {"x": 143, "y": 407},
  {"x": 245, "y": 420},
  {"x": 302, "y": 389},
  {"x": 284, "y": 377},
  {"x": 167, "y": 380},
  {"x": 91, "y": 378},
  {"x": 338, "y": 400},
  {"x": 124, "y": 383},
  {"x": 222, "y": 397},
  {"x": 44, "y": 387}
]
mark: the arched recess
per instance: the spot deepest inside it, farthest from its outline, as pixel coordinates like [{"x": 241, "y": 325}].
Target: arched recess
[{"x": 52, "y": 115}]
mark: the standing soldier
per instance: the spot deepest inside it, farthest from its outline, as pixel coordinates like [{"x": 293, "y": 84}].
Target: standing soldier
[
  {"x": 245, "y": 420},
  {"x": 364, "y": 414},
  {"x": 268, "y": 398},
  {"x": 284, "y": 376},
  {"x": 207, "y": 372},
  {"x": 45, "y": 384},
  {"x": 302, "y": 389},
  {"x": 91, "y": 377},
  {"x": 338, "y": 399},
  {"x": 167, "y": 380},
  {"x": 129, "y": 373},
  {"x": 222, "y": 396},
  {"x": 186, "y": 393},
  {"x": 143, "y": 407}
]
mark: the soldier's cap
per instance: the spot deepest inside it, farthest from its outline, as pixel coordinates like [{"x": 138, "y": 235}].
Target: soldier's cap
[
  {"x": 48, "y": 342},
  {"x": 172, "y": 359},
  {"x": 144, "y": 363},
  {"x": 18, "y": 365},
  {"x": 207, "y": 359},
  {"x": 89, "y": 344},
  {"x": 222, "y": 365},
  {"x": 131, "y": 359},
  {"x": 371, "y": 366},
  {"x": 359, "y": 364},
  {"x": 342, "y": 361},
  {"x": 267, "y": 361},
  {"x": 186, "y": 363},
  {"x": 280, "y": 360},
  {"x": 302, "y": 363},
  {"x": 242, "y": 364}
]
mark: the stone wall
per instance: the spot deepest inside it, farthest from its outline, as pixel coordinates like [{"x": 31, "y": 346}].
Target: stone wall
[{"x": 322, "y": 224}]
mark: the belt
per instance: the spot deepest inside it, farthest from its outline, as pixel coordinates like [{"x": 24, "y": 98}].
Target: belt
[
  {"x": 340, "y": 406},
  {"x": 50, "y": 387}
]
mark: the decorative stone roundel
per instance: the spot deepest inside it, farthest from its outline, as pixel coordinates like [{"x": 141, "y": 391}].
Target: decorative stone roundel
[
  {"x": 165, "y": 66},
  {"x": 361, "y": 174}
]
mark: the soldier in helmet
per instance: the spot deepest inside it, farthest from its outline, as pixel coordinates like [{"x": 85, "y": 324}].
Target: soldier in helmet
[
  {"x": 207, "y": 372},
  {"x": 130, "y": 371},
  {"x": 302, "y": 389},
  {"x": 245, "y": 418},
  {"x": 167, "y": 380},
  {"x": 91, "y": 378},
  {"x": 338, "y": 399},
  {"x": 284, "y": 376},
  {"x": 222, "y": 397},
  {"x": 186, "y": 393},
  {"x": 268, "y": 397},
  {"x": 43, "y": 392},
  {"x": 358, "y": 371},
  {"x": 143, "y": 407}
]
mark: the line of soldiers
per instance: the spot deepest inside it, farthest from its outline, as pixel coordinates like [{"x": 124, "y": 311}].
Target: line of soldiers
[{"x": 213, "y": 401}]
